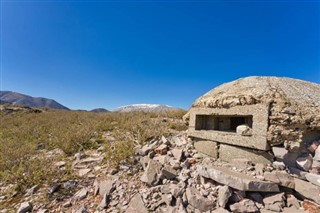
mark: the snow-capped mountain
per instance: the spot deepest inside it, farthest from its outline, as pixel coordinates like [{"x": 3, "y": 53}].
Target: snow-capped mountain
[{"x": 146, "y": 108}]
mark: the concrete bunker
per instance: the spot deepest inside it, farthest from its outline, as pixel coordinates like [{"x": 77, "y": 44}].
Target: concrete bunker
[{"x": 246, "y": 118}]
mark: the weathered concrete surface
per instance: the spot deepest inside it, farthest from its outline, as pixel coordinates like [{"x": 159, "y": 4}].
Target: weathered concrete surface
[
  {"x": 209, "y": 148},
  {"x": 307, "y": 189},
  {"x": 235, "y": 180},
  {"x": 280, "y": 177},
  {"x": 152, "y": 174},
  {"x": 293, "y": 105},
  {"x": 228, "y": 152},
  {"x": 197, "y": 201}
]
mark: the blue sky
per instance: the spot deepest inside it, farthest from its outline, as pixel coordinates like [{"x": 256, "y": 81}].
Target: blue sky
[{"x": 89, "y": 54}]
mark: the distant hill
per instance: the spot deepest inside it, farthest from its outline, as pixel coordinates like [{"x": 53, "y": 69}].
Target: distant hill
[
  {"x": 21, "y": 99},
  {"x": 99, "y": 110},
  {"x": 146, "y": 108}
]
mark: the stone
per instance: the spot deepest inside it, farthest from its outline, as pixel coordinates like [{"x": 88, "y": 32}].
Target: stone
[
  {"x": 144, "y": 161},
  {"x": 297, "y": 172},
  {"x": 317, "y": 154},
  {"x": 105, "y": 200},
  {"x": 136, "y": 205},
  {"x": 228, "y": 152},
  {"x": 69, "y": 184},
  {"x": 209, "y": 148},
  {"x": 152, "y": 173},
  {"x": 260, "y": 167},
  {"x": 278, "y": 165},
  {"x": 280, "y": 177},
  {"x": 106, "y": 187},
  {"x": 82, "y": 209},
  {"x": 60, "y": 164},
  {"x": 25, "y": 207},
  {"x": 220, "y": 210},
  {"x": 275, "y": 202},
  {"x": 310, "y": 206},
  {"x": 197, "y": 201},
  {"x": 235, "y": 180},
  {"x": 279, "y": 152},
  {"x": 315, "y": 168},
  {"x": 161, "y": 150},
  {"x": 244, "y": 130},
  {"x": 32, "y": 190},
  {"x": 83, "y": 172},
  {"x": 241, "y": 163},
  {"x": 169, "y": 173},
  {"x": 161, "y": 159},
  {"x": 67, "y": 204},
  {"x": 224, "y": 193},
  {"x": 313, "y": 178},
  {"x": 256, "y": 197},
  {"x": 307, "y": 189},
  {"x": 177, "y": 153},
  {"x": 81, "y": 194},
  {"x": 304, "y": 162},
  {"x": 244, "y": 206},
  {"x": 53, "y": 188},
  {"x": 292, "y": 201},
  {"x": 147, "y": 148}
]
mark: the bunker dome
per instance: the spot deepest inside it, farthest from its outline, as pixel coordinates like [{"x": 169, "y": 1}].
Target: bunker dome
[{"x": 256, "y": 113}]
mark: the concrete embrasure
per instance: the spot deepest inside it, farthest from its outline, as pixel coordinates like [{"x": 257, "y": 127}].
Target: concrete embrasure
[{"x": 236, "y": 180}]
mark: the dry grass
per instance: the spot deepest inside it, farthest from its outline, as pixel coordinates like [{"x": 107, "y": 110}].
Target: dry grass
[{"x": 71, "y": 131}]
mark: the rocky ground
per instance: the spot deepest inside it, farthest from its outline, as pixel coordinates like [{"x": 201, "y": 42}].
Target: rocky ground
[{"x": 169, "y": 175}]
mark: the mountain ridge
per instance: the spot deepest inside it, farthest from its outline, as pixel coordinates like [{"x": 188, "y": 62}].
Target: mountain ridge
[{"x": 27, "y": 100}]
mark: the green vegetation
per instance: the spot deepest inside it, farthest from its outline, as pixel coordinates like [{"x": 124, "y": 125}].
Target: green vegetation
[{"x": 71, "y": 131}]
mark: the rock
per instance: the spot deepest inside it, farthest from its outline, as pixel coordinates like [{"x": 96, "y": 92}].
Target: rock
[
  {"x": 144, "y": 161},
  {"x": 105, "y": 200},
  {"x": 83, "y": 172},
  {"x": 220, "y": 210},
  {"x": 177, "y": 153},
  {"x": 256, "y": 197},
  {"x": 55, "y": 152},
  {"x": 260, "y": 167},
  {"x": 224, "y": 193},
  {"x": 67, "y": 204},
  {"x": 281, "y": 178},
  {"x": 179, "y": 141},
  {"x": 241, "y": 163},
  {"x": 152, "y": 174},
  {"x": 317, "y": 154},
  {"x": 307, "y": 189},
  {"x": 69, "y": 184},
  {"x": 275, "y": 202},
  {"x": 278, "y": 165},
  {"x": 60, "y": 164},
  {"x": 244, "y": 206},
  {"x": 310, "y": 206},
  {"x": 197, "y": 201},
  {"x": 209, "y": 148},
  {"x": 106, "y": 187},
  {"x": 25, "y": 207},
  {"x": 53, "y": 188},
  {"x": 81, "y": 194},
  {"x": 235, "y": 180},
  {"x": 82, "y": 209},
  {"x": 292, "y": 201},
  {"x": 161, "y": 150},
  {"x": 161, "y": 159},
  {"x": 169, "y": 173},
  {"x": 304, "y": 162},
  {"x": 136, "y": 205},
  {"x": 297, "y": 172},
  {"x": 315, "y": 168},
  {"x": 244, "y": 130},
  {"x": 313, "y": 178},
  {"x": 32, "y": 190},
  {"x": 147, "y": 148},
  {"x": 279, "y": 152}
]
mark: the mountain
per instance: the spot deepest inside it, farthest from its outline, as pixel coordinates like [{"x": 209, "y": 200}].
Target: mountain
[
  {"x": 146, "y": 108},
  {"x": 21, "y": 99},
  {"x": 99, "y": 110}
]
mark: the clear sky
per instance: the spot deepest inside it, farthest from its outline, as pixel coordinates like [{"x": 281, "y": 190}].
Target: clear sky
[{"x": 90, "y": 54}]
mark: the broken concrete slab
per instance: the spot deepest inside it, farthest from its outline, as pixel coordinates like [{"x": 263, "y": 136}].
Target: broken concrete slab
[
  {"x": 169, "y": 173},
  {"x": 209, "y": 148},
  {"x": 307, "y": 189},
  {"x": 236, "y": 180},
  {"x": 280, "y": 177},
  {"x": 177, "y": 153},
  {"x": 106, "y": 186},
  {"x": 228, "y": 152},
  {"x": 244, "y": 206},
  {"x": 279, "y": 152}
]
